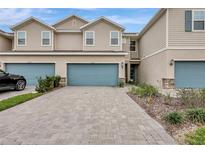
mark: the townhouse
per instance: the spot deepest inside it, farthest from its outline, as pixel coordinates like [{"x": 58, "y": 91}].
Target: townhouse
[
  {"x": 172, "y": 49},
  {"x": 168, "y": 53},
  {"x": 81, "y": 52}
]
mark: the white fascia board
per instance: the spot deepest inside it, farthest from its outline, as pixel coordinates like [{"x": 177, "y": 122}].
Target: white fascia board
[{"x": 61, "y": 54}]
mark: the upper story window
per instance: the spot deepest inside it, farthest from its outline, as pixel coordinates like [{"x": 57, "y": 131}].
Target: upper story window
[
  {"x": 45, "y": 38},
  {"x": 89, "y": 38},
  {"x": 114, "y": 38},
  {"x": 198, "y": 20},
  {"x": 132, "y": 45},
  {"x": 21, "y": 38}
]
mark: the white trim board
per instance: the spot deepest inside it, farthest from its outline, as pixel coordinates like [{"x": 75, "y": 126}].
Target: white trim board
[
  {"x": 156, "y": 52},
  {"x": 61, "y": 54},
  {"x": 172, "y": 48},
  {"x": 189, "y": 59},
  {"x": 186, "y": 48}
]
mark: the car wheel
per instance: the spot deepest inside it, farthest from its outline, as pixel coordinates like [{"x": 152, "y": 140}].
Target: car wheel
[{"x": 20, "y": 85}]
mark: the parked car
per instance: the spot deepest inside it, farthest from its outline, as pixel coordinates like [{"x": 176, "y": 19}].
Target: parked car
[{"x": 11, "y": 81}]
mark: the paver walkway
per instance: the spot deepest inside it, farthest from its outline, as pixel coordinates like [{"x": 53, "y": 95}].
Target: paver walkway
[{"x": 81, "y": 115}]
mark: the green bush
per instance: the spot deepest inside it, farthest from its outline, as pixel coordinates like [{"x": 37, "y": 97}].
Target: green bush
[
  {"x": 196, "y": 115},
  {"x": 174, "y": 118},
  {"x": 48, "y": 83},
  {"x": 56, "y": 80},
  {"x": 138, "y": 91},
  {"x": 197, "y": 137},
  {"x": 144, "y": 90},
  {"x": 192, "y": 97},
  {"x": 121, "y": 83},
  {"x": 148, "y": 90}
]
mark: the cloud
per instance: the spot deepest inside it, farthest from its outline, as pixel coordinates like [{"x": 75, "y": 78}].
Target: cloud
[
  {"x": 13, "y": 16},
  {"x": 138, "y": 20}
]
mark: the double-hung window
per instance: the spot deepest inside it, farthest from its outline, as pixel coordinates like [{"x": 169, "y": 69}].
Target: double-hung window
[
  {"x": 21, "y": 38},
  {"x": 45, "y": 38},
  {"x": 89, "y": 38},
  {"x": 198, "y": 20},
  {"x": 114, "y": 38}
]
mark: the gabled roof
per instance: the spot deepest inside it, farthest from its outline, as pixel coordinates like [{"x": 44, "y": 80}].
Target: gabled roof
[
  {"x": 28, "y": 20},
  {"x": 152, "y": 21},
  {"x": 7, "y": 35},
  {"x": 105, "y": 19},
  {"x": 70, "y": 16}
]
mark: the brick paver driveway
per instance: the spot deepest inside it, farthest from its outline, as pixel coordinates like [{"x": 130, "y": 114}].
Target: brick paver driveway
[{"x": 81, "y": 115}]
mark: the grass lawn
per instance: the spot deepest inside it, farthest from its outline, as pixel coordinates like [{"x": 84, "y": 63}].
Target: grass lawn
[
  {"x": 13, "y": 101},
  {"x": 197, "y": 137}
]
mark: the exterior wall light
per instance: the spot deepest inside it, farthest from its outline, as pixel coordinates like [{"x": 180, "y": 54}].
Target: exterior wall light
[{"x": 171, "y": 63}]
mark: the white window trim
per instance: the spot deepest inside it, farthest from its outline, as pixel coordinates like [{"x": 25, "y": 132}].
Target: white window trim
[
  {"x": 193, "y": 30},
  {"x": 21, "y": 45},
  {"x": 47, "y": 45},
  {"x": 115, "y": 45},
  {"x": 93, "y": 38}
]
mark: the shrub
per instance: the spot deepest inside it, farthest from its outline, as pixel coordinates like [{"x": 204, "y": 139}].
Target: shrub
[
  {"x": 144, "y": 90},
  {"x": 196, "y": 115},
  {"x": 121, "y": 83},
  {"x": 174, "y": 118},
  {"x": 48, "y": 83},
  {"x": 192, "y": 97},
  {"x": 138, "y": 91},
  {"x": 56, "y": 80},
  {"x": 148, "y": 90},
  {"x": 168, "y": 99},
  {"x": 197, "y": 137}
]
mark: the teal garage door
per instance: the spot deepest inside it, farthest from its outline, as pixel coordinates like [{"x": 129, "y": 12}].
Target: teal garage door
[
  {"x": 190, "y": 74},
  {"x": 92, "y": 74},
  {"x": 31, "y": 71}
]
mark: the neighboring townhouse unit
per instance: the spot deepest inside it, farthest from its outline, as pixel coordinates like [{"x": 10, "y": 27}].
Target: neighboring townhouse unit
[
  {"x": 168, "y": 53},
  {"x": 5, "y": 41},
  {"x": 172, "y": 49},
  {"x": 81, "y": 52}
]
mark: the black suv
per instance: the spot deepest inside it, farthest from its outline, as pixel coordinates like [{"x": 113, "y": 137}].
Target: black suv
[{"x": 11, "y": 81}]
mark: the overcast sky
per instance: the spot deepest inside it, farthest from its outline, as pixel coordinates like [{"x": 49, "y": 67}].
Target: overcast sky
[{"x": 132, "y": 19}]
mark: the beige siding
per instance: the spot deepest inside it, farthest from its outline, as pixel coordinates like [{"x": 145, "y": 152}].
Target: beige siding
[
  {"x": 70, "y": 23},
  {"x": 193, "y": 55},
  {"x": 177, "y": 35},
  {"x": 153, "y": 69},
  {"x": 126, "y": 44},
  {"x": 33, "y": 40},
  {"x": 68, "y": 41},
  {"x": 102, "y": 37},
  {"x": 61, "y": 61},
  {"x": 154, "y": 38},
  {"x": 5, "y": 44}
]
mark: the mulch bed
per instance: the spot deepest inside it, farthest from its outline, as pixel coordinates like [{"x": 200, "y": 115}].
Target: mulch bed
[{"x": 158, "y": 107}]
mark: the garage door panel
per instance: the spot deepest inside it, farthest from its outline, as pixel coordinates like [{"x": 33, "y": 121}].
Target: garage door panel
[
  {"x": 92, "y": 74},
  {"x": 190, "y": 74},
  {"x": 31, "y": 72}
]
